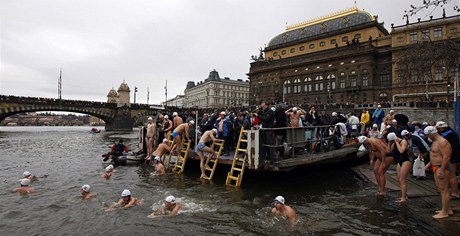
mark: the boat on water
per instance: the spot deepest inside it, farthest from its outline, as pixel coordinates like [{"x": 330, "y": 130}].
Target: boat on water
[{"x": 96, "y": 130}]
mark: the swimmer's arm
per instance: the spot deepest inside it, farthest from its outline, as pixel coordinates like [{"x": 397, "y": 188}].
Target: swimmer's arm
[
  {"x": 186, "y": 135},
  {"x": 175, "y": 211},
  {"x": 130, "y": 204},
  {"x": 446, "y": 153},
  {"x": 401, "y": 144}
]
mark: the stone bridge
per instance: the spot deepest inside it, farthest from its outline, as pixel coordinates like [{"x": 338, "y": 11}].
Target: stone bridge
[{"x": 115, "y": 118}]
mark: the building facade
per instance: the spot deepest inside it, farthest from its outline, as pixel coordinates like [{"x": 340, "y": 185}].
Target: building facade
[
  {"x": 425, "y": 60},
  {"x": 122, "y": 97},
  {"x": 216, "y": 92},
  {"x": 344, "y": 57},
  {"x": 178, "y": 102}
]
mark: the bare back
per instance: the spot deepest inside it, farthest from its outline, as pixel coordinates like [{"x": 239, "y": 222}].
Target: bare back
[
  {"x": 177, "y": 120},
  {"x": 378, "y": 147},
  {"x": 207, "y": 136},
  {"x": 161, "y": 149}
]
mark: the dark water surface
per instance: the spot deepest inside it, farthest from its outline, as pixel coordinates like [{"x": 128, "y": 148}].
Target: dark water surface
[{"x": 328, "y": 201}]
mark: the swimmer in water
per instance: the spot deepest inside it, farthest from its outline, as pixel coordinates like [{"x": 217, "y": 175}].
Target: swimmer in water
[
  {"x": 159, "y": 167},
  {"x": 108, "y": 172},
  {"x": 126, "y": 201},
  {"x": 171, "y": 206},
  {"x": 28, "y": 175},
  {"x": 283, "y": 210},
  {"x": 85, "y": 192},
  {"x": 25, "y": 188}
]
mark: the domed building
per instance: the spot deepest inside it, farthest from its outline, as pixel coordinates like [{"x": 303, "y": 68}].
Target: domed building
[
  {"x": 112, "y": 97},
  {"x": 343, "y": 57},
  {"x": 123, "y": 95}
]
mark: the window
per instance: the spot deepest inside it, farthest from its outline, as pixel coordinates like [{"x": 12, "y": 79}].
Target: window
[
  {"x": 357, "y": 36},
  {"x": 322, "y": 44},
  {"x": 311, "y": 46},
  {"x": 275, "y": 54},
  {"x": 302, "y": 48},
  {"x": 296, "y": 86},
  {"x": 353, "y": 80},
  {"x": 413, "y": 36},
  {"x": 438, "y": 74},
  {"x": 385, "y": 78},
  {"x": 437, "y": 32},
  {"x": 345, "y": 39},
  {"x": 401, "y": 78},
  {"x": 452, "y": 30},
  {"x": 333, "y": 85},
  {"x": 426, "y": 34},
  {"x": 342, "y": 83},
  {"x": 365, "y": 79},
  {"x": 292, "y": 50},
  {"x": 333, "y": 41},
  {"x": 283, "y": 52}
]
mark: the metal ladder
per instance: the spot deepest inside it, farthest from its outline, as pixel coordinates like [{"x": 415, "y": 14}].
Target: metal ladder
[
  {"x": 213, "y": 159},
  {"x": 181, "y": 158},
  {"x": 238, "y": 164}
]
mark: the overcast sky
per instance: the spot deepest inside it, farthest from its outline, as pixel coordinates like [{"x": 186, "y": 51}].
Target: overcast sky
[{"x": 100, "y": 43}]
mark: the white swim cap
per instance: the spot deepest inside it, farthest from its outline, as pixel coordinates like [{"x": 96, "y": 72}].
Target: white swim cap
[
  {"x": 279, "y": 199},
  {"x": 391, "y": 136},
  {"x": 222, "y": 113},
  {"x": 150, "y": 118},
  {"x": 170, "y": 199},
  {"x": 394, "y": 121},
  {"x": 392, "y": 111},
  {"x": 374, "y": 126},
  {"x": 126, "y": 193},
  {"x": 294, "y": 109},
  {"x": 214, "y": 131},
  {"x": 334, "y": 113},
  {"x": 404, "y": 133},
  {"x": 26, "y": 173},
  {"x": 165, "y": 140},
  {"x": 108, "y": 169},
  {"x": 379, "y": 106},
  {"x": 86, "y": 188},
  {"x": 25, "y": 182},
  {"x": 191, "y": 122},
  {"x": 166, "y": 116},
  {"x": 362, "y": 139},
  {"x": 273, "y": 108},
  {"x": 430, "y": 130},
  {"x": 175, "y": 114},
  {"x": 157, "y": 158},
  {"x": 441, "y": 124}
]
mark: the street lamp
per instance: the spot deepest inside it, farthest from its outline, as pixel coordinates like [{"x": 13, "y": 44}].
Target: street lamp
[{"x": 135, "y": 91}]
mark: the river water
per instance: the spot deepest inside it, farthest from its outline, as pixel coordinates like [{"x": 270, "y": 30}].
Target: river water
[{"x": 328, "y": 200}]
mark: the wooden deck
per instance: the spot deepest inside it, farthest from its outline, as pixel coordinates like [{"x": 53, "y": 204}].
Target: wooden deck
[
  {"x": 317, "y": 158},
  {"x": 424, "y": 189}
]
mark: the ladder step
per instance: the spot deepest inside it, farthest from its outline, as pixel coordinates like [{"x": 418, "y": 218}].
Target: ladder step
[
  {"x": 232, "y": 177},
  {"x": 237, "y": 169},
  {"x": 244, "y": 140},
  {"x": 242, "y": 150}
]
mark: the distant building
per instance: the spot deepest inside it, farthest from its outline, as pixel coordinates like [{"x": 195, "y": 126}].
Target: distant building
[
  {"x": 178, "y": 102},
  {"x": 216, "y": 92},
  {"x": 122, "y": 97},
  {"x": 343, "y": 57},
  {"x": 425, "y": 59}
]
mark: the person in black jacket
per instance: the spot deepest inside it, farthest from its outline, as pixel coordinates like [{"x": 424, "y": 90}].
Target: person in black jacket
[
  {"x": 280, "y": 122},
  {"x": 267, "y": 119}
]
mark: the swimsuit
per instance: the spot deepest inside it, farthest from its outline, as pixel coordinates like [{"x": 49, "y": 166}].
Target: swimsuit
[
  {"x": 434, "y": 168},
  {"x": 200, "y": 147},
  {"x": 174, "y": 134}
]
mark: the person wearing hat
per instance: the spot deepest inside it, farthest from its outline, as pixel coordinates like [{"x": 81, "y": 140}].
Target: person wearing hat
[
  {"x": 439, "y": 162},
  {"x": 400, "y": 151},
  {"x": 171, "y": 206},
  {"x": 450, "y": 135},
  {"x": 159, "y": 166},
  {"x": 28, "y": 175},
  {"x": 294, "y": 114},
  {"x": 378, "y": 153},
  {"x": 418, "y": 150},
  {"x": 25, "y": 188},
  {"x": 374, "y": 132},
  {"x": 108, "y": 172},
  {"x": 126, "y": 201},
  {"x": 178, "y": 135},
  {"x": 280, "y": 209},
  {"x": 201, "y": 148},
  {"x": 168, "y": 126},
  {"x": 160, "y": 150},
  {"x": 117, "y": 150},
  {"x": 85, "y": 192},
  {"x": 150, "y": 136},
  {"x": 177, "y": 120},
  {"x": 388, "y": 120},
  {"x": 378, "y": 115}
]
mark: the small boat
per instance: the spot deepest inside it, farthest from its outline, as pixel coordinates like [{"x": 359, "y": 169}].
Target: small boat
[
  {"x": 130, "y": 158},
  {"x": 95, "y": 130}
]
